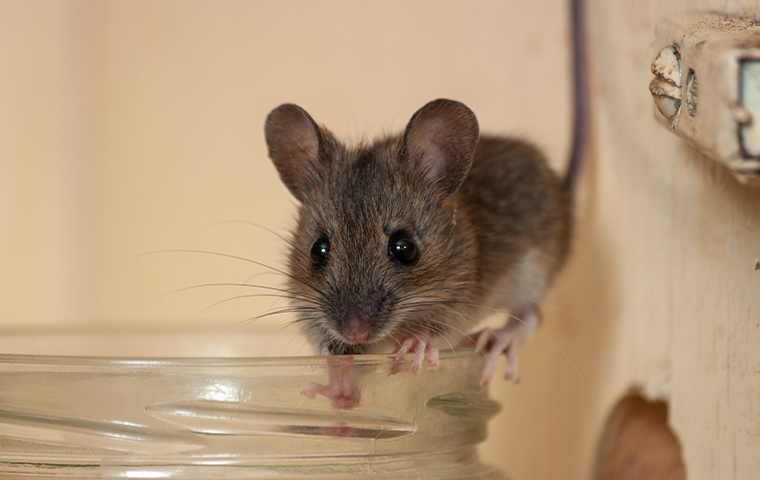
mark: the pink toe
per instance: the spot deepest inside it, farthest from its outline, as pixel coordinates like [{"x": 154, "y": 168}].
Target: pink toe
[
  {"x": 483, "y": 339},
  {"x": 433, "y": 360},
  {"x": 419, "y": 355},
  {"x": 404, "y": 349}
]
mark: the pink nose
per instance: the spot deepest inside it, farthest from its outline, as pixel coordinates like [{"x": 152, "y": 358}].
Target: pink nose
[{"x": 358, "y": 329}]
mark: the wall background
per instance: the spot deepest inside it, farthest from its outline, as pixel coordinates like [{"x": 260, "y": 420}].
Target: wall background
[{"x": 132, "y": 127}]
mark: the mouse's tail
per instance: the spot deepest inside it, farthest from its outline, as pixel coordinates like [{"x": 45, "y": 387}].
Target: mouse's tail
[{"x": 580, "y": 96}]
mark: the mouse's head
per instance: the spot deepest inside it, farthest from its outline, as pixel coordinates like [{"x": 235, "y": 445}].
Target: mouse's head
[{"x": 379, "y": 250}]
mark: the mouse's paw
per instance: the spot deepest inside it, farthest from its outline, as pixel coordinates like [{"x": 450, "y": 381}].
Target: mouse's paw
[
  {"x": 497, "y": 342},
  {"x": 341, "y": 388},
  {"x": 519, "y": 329},
  {"x": 420, "y": 343}
]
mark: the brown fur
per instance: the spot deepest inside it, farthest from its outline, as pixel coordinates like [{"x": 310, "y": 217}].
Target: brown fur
[{"x": 482, "y": 217}]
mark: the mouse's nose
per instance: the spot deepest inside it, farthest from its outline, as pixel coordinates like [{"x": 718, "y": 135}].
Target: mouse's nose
[{"x": 357, "y": 328}]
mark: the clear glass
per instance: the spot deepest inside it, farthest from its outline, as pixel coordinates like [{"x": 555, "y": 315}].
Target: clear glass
[{"x": 83, "y": 417}]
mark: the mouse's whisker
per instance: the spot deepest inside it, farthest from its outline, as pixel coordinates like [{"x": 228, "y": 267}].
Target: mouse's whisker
[
  {"x": 236, "y": 257},
  {"x": 240, "y": 297},
  {"x": 239, "y": 327},
  {"x": 247, "y": 222},
  {"x": 299, "y": 296}
]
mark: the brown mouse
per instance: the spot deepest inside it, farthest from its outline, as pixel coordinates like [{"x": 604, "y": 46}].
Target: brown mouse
[{"x": 409, "y": 241}]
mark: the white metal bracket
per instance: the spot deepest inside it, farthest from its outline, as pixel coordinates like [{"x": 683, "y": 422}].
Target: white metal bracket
[{"x": 706, "y": 87}]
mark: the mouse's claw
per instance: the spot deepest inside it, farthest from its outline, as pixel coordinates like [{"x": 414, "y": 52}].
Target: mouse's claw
[{"x": 420, "y": 343}]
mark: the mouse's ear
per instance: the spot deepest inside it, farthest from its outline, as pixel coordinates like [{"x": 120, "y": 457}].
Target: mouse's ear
[
  {"x": 297, "y": 147},
  {"x": 439, "y": 142}
]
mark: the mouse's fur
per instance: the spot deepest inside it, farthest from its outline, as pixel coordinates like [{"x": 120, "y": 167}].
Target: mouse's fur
[{"x": 491, "y": 221}]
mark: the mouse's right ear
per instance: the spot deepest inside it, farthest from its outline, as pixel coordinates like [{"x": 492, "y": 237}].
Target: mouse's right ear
[
  {"x": 439, "y": 143},
  {"x": 297, "y": 148}
]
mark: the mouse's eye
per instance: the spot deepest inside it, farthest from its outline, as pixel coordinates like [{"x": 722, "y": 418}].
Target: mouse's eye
[
  {"x": 402, "y": 248},
  {"x": 320, "y": 251}
]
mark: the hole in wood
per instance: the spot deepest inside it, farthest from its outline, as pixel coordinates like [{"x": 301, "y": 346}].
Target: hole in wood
[{"x": 637, "y": 443}]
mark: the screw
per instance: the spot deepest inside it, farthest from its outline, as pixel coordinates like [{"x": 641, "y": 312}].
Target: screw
[{"x": 666, "y": 85}]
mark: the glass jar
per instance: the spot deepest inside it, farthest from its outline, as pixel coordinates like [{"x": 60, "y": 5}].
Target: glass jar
[{"x": 368, "y": 416}]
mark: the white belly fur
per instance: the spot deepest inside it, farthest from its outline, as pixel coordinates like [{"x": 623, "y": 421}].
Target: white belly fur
[{"x": 523, "y": 285}]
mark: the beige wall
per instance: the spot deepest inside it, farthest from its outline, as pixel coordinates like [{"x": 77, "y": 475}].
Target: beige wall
[{"x": 131, "y": 127}]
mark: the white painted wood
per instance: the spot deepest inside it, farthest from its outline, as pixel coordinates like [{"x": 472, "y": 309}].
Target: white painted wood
[
  {"x": 662, "y": 292},
  {"x": 715, "y": 90}
]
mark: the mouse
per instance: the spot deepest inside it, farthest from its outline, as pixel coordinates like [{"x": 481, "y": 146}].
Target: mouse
[
  {"x": 410, "y": 240},
  {"x": 407, "y": 242}
]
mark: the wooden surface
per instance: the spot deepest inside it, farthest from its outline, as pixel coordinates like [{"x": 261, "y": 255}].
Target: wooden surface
[
  {"x": 130, "y": 127},
  {"x": 663, "y": 292}
]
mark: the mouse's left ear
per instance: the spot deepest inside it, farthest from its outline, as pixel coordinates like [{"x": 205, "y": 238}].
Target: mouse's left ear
[{"x": 439, "y": 143}]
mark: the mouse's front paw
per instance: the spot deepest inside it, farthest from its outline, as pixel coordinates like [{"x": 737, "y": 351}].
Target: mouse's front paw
[
  {"x": 420, "y": 343},
  {"x": 341, "y": 388}
]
